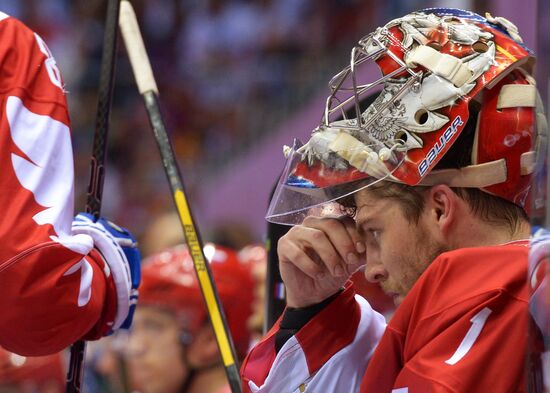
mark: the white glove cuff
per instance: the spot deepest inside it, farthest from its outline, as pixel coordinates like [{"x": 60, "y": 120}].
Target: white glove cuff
[{"x": 116, "y": 261}]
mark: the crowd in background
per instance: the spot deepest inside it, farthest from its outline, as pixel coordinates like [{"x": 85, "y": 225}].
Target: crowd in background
[{"x": 228, "y": 71}]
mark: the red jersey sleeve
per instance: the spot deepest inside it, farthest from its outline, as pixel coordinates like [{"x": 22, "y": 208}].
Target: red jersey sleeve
[
  {"x": 329, "y": 354},
  {"x": 462, "y": 328},
  {"x": 55, "y": 288}
]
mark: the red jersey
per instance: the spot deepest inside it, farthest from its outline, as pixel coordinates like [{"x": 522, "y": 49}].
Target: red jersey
[
  {"x": 55, "y": 288},
  {"x": 461, "y": 328}
]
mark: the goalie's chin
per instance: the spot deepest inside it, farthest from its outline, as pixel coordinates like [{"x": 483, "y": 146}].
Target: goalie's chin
[{"x": 397, "y": 298}]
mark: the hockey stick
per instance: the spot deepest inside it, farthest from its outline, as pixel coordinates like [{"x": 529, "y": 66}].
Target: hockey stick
[
  {"x": 275, "y": 293},
  {"x": 95, "y": 188},
  {"x": 275, "y": 301},
  {"x": 148, "y": 89}
]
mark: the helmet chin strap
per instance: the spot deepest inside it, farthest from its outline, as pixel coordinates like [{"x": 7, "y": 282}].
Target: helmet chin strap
[{"x": 478, "y": 176}]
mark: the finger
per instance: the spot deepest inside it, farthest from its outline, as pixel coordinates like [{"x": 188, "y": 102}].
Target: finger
[
  {"x": 357, "y": 239},
  {"x": 317, "y": 245},
  {"x": 289, "y": 252},
  {"x": 320, "y": 248},
  {"x": 339, "y": 237}
]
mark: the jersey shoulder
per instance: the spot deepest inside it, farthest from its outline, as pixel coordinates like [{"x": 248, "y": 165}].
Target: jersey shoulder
[
  {"x": 464, "y": 309},
  {"x": 460, "y": 280},
  {"x": 468, "y": 272},
  {"x": 29, "y": 70}
]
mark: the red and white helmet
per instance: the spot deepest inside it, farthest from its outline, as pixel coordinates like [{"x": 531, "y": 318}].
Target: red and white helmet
[
  {"x": 169, "y": 281},
  {"x": 47, "y": 372},
  {"x": 435, "y": 64}
]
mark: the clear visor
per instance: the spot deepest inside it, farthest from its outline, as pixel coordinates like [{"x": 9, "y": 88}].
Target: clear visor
[{"x": 310, "y": 186}]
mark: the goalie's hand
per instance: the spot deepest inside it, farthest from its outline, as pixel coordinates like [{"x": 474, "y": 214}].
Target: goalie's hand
[
  {"x": 318, "y": 257},
  {"x": 119, "y": 249}
]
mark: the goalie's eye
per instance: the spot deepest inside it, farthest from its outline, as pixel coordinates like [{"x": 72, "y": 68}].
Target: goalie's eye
[{"x": 372, "y": 236}]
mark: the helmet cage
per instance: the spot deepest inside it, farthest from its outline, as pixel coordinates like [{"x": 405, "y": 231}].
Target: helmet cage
[{"x": 360, "y": 54}]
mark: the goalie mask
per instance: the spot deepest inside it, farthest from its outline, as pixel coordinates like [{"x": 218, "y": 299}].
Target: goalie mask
[{"x": 435, "y": 65}]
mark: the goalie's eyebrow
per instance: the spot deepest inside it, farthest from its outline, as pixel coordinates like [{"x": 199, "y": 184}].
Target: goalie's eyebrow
[
  {"x": 361, "y": 223},
  {"x": 366, "y": 215}
]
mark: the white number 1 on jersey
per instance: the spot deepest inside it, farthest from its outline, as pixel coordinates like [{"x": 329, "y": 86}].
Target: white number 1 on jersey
[{"x": 478, "y": 321}]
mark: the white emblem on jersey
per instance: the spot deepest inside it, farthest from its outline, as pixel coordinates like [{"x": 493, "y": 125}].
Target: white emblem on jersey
[
  {"x": 86, "y": 276},
  {"x": 400, "y": 390},
  {"x": 47, "y": 171},
  {"x": 478, "y": 321}
]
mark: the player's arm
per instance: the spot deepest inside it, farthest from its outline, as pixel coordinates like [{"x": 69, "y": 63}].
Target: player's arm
[
  {"x": 58, "y": 283},
  {"x": 326, "y": 336},
  {"x": 329, "y": 353}
]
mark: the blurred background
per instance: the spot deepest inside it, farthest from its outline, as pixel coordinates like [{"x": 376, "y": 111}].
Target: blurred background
[{"x": 237, "y": 80}]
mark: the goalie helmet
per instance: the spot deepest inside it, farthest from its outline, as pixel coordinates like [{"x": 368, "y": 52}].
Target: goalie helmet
[
  {"x": 440, "y": 69},
  {"x": 169, "y": 282}
]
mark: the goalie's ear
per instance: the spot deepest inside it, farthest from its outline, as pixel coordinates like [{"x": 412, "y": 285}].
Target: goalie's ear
[{"x": 443, "y": 206}]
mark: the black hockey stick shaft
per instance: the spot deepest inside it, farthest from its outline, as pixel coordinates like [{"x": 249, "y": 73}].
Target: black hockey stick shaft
[
  {"x": 275, "y": 300},
  {"x": 148, "y": 89},
  {"x": 95, "y": 188}
]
